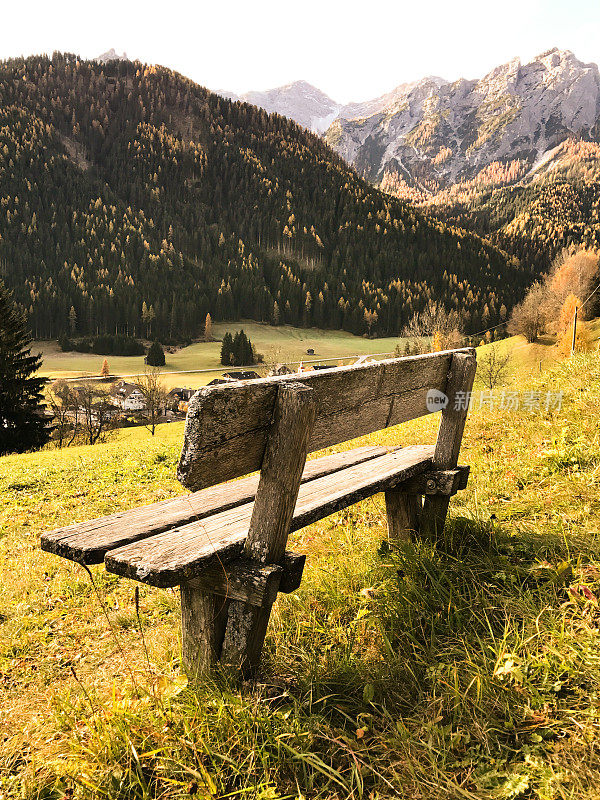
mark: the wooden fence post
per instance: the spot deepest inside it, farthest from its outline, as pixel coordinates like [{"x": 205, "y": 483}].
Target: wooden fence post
[
  {"x": 447, "y": 448},
  {"x": 276, "y": 496}
]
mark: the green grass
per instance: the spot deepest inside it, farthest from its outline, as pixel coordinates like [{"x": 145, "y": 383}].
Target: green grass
[
  {"x": 470, "y": 670},
  {"x": 282, "y": 344},
  {"x": 278, "y": 344}
]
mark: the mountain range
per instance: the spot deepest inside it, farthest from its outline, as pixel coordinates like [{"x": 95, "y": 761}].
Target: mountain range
[
  {"x": 313, "y": 109},
  {"x": 433, "y": 134}
]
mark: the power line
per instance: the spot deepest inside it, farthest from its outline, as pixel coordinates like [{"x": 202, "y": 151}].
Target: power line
[
  {"x": 223, "y": 367},
  {"x": 590, "y": 295}
]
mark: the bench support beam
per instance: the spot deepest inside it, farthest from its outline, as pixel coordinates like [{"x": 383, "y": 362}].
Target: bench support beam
[
  {"x": 276, "y": 496},
  {"x": 447, "y": 448},
  {"x": 203, "y": 620}
]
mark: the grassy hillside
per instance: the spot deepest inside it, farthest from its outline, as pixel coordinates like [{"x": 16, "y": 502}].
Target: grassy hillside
[{"x": 470, "y": 671}]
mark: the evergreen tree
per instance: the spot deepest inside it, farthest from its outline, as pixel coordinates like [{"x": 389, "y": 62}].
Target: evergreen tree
[
  {"x": 241, "y": 350},
  {"x": 237, "y": 350},
  {"x": 227, "y": 350},
  {"x": 21, "y": 425},
  {"x": 248, "y": 350},
  {"x": 156, "y": 355}
]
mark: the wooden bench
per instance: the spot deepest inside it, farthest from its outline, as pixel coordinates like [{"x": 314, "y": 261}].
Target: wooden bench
[{"x": 225, "y": 544}]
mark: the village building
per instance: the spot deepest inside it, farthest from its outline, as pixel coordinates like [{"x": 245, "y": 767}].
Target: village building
[
  {"x": 128, "y": 397},
  {"x": 178, "y": 398}
]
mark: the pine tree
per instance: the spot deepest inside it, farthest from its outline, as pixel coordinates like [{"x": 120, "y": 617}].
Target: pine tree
[
  {"x": 248, "y": 351},
  {"x": 237, "y": 351},
  {"x": 227, "y": 350},
  {"x": 105, "y": 371},
  {"x": 156, "y": 355},
  {"x": 240, "y": 349},
  {"x": 21, "y": 425}
]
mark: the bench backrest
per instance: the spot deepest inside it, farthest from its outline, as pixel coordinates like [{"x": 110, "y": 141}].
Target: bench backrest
[{"x": 227, "y": 426}]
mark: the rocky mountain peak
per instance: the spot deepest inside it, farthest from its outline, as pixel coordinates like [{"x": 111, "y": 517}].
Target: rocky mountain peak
[
  {"x": 440, "y": 134},
  {"x": 111, "y": 55}
]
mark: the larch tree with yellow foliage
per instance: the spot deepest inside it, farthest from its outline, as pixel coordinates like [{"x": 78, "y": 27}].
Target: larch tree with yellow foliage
[
  {"x": 567, "y": 312},
  {"x": 565, "y": 327}
]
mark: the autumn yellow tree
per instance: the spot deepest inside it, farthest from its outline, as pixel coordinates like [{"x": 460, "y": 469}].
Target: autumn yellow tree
[
  {"x": 105, "y": 371},
  {"x": 567, "y": 312},
  {"x": 573, "y": 273},
  {"x": 582, "y": 339},
  {"x": 565, "y": 328},
  {"x": 208, "y": 328}
]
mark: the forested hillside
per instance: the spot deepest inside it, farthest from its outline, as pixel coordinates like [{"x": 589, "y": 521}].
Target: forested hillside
[
  {"x": 533, "y": 218},
  {"x": 134, "y": 201},
  {"x": 534, "y": 222}
]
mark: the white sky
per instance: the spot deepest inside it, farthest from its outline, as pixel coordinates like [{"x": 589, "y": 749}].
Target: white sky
[{"x": 351, "y": 50}]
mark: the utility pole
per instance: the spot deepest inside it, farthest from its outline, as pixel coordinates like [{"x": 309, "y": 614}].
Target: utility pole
[{"x": 574, "y": 331}]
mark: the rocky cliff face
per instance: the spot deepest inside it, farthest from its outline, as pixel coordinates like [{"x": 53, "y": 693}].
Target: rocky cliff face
[
  {"x": 432, "y": 135},
  {"x": 437, "y": 134}
]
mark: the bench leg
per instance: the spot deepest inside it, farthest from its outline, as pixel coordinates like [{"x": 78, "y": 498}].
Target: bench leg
[
  {"x": 433, "y": 518},
  {"x": 403, "y": 514},
  {"x": 203, "y": 620},
  {"x": 280, "y": 476},
  {"x": 245, "y": 636}
]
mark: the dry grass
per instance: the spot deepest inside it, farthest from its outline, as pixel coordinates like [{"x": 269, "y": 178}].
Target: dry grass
[{"x": 466, "y": 671}]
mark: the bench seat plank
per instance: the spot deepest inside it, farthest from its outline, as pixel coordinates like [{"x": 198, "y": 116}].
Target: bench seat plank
[
  {"x": 88, "y": 542},
  {"x": 178, "y": 555}
]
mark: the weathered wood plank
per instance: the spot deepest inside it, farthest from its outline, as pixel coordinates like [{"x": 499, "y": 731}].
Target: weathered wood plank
[
  {"x": 447, "y": 448},
  {"x": 293, "y": 567},
  {"x": 181, "y": 554},
  {"x": 227, "y": 426},
  {"x": 253, "y": 583},
  {"x": 280, "y": 475},
  {"x": 454, "y": 416},
  {"x": 242, "y": 580},
  {"x": 88, "y": 542}
]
